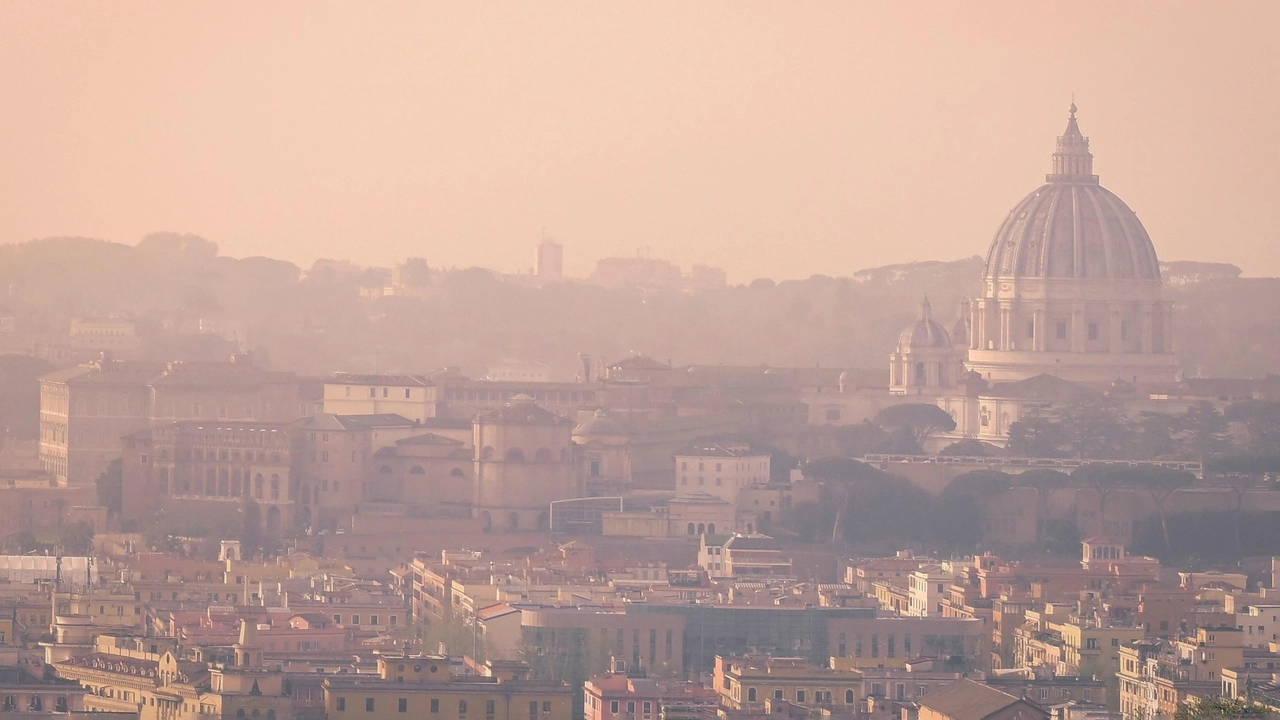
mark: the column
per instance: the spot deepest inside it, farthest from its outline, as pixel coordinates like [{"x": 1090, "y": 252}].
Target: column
[
  {"x": 1038, "y": 330},
  {"x": 1006, "y": 334},
  {"x": 1148, "y": 328},
  {"x": 1114, "y": 343},
  {"x": 1077, "y": 329}
]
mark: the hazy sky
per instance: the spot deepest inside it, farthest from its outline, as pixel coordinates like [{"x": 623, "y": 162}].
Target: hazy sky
[{"x": 774, "y": 139}]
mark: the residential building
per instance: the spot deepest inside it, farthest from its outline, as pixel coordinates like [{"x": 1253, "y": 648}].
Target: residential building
[{"x": 746, "y": 682}]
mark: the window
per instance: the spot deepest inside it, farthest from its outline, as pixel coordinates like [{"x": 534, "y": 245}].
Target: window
[
  {"x": 368, "y": 704},
  {"x": 533, "y": 708},
  {"x": 462, "y": 708},
  {"x": 1061, "y": 330},
  {"x": 800, "y": 696},
  {"x": 751, "y": 694},
  {"x": 435, "y": 706},
  {"x": 342, "y": 704},
  {"x": 1093, "y": 331},
  {"x": 355, "y": 619},
  {"x": 403, "y": 705},
  {"x": 1031, "y": 329},
  {"x": 406, "y": 393},
  {"x": 613, "y": 707},
  {"x": 373, "y": 619},
  {"x": 848, "y": 697}
]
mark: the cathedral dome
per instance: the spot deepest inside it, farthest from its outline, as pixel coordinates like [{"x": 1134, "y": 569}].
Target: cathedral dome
[
  {"x": 924, "y": 333},
  {"x": 1072, "y": 227}
]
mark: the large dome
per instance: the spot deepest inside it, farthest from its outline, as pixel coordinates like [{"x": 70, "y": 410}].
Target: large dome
[{"x": 1072, "y": 227}]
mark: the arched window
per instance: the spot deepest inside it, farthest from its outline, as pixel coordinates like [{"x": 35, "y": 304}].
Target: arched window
[
  {"x": 385, "y": 469},
  {"x": 457, "y": 472},
  {"x": 848, "y": 696},
  {"x": 701, "y": 528},
  {"x": 10, "y": 702},
  {"x": 257, "y": 486},
  {"x": 514, "y": 520},
  {"x": 751, "y": 694},
  {"x": 36, "y": 704},
  {"x": 236, "y": 487},
  {"x": 920, "y": 374},
  {"x": 223, "y": 482},
  {"x": 210, "y": 482},
  {"x": 711, "y": 528},
  {"x": 417, "y": 470},
  {"x": 486, "y": 453},
  {"x": 240, "y": 713},
  {"x": 693, "y": 530},
  {"x": 60, "y": 705},
  {"x": 275, "y": 487},
  {"x": 543, "y": 455},
  {"x": 271, "y": 715},
  {"x": 515, "y": 454}
]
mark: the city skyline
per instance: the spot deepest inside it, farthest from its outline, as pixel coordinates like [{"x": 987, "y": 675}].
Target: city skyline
[{"x": 867, "y": 136}]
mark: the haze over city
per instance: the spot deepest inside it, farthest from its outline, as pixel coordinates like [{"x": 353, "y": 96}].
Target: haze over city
[
  {"x": 663, "y": 361},
  {"x": 770, "y": 139}
]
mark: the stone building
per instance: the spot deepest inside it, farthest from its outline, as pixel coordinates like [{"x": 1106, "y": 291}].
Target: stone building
[
  {"x": 523, "y": 462},
  {"x": 86, "y": 410}
]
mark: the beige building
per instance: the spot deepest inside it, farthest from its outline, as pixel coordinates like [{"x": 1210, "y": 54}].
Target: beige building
[
  {"x": 746, "y": 683},
  {"x": 87, "y": 409},
  {"x": 721, "y": 469},
  {"x": 523, "y": 462},
  {"x": 409, "y": 396}
]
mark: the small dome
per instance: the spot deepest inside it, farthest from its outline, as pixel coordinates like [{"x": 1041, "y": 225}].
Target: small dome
[
  {"x": 600, "y": 424},
  {"x": 924, "y": 333}
]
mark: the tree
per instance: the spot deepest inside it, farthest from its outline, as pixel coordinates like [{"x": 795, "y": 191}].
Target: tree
[
  {"x": 1046, "y": 482},
  {"x": 1093, "y": 430},
  {"x": 860, "y": 439},
  {"x": 968, "y": 447},
  {"x": 920, "y": 420},
  {"x": 76, "y": 538},
  {"x": 111, "y": 487},
  {"x": 1104, "y": 480},
  {"x": 1160, "y": 484},
  {"x": 1239, "y": 473},
  {"x": 1216, "y": 707},
  {"x": 1202, "y": 432},
  {"x": 839, "y": 473},
  {"x": 1261, "y": 418},
  {"x": 960, "y": 512}
]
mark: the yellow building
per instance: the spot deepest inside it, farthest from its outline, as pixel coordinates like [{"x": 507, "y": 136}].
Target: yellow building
[
  {"x": 746, "y": 683},
  {"x": 421, "y": 686}
]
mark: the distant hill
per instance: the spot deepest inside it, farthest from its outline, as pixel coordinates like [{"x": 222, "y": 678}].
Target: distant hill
[{"x": 334, "y": 317}]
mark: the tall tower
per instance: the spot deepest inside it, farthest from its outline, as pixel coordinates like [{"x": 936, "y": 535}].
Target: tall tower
[{"x": 550, "y": 265}]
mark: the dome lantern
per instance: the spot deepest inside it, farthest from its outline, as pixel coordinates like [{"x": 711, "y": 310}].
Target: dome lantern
[{"x": 1072, "y": 161}]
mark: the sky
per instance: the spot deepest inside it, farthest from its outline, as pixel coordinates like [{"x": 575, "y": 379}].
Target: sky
[{"x": 774, "y": 139}]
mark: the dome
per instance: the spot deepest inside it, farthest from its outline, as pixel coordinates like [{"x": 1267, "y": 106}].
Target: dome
[
  {"x": 1072, "y": 227},
  {"x": 600, "y": 424},
  {"x": 925, "y": 333}
]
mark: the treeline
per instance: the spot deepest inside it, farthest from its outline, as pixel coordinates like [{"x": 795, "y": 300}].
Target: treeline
[{"x": 174, "y": 283}]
